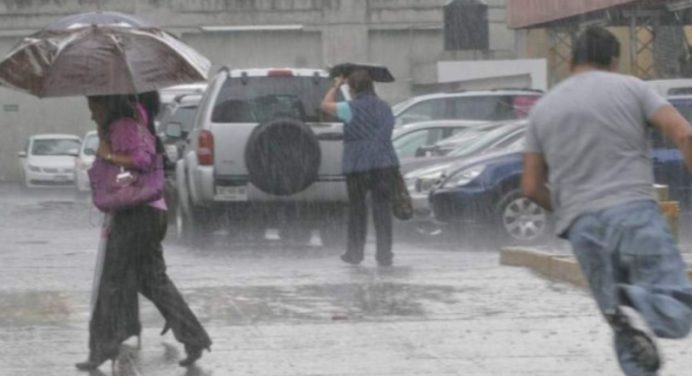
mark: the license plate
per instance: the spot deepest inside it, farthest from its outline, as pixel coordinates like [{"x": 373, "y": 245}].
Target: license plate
[{"x": 231, "y": 193}]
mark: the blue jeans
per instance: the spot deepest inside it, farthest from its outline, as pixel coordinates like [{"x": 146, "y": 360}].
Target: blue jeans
[{"x": 629, "y": 257}]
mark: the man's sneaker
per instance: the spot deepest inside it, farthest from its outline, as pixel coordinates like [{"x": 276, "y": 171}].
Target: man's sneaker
[{"x": 637, "y": 336}]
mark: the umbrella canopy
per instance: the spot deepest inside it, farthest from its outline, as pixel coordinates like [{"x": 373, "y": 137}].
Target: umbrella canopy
[
  {"x": 74, "y": 57},
  {"x": 378, "y": 73}
]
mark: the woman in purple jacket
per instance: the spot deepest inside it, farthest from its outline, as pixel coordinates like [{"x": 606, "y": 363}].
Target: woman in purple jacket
[{"x": 133, "y": 260}]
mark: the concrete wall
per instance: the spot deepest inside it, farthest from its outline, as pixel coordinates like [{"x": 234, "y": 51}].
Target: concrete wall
[{"x": 403, "y": 34}]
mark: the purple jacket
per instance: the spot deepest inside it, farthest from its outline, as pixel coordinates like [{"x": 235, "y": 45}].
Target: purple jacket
[{"x": 130, "y": 137}]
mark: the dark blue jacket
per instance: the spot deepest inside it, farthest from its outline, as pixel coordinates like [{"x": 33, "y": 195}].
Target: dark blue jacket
[{"x": 368, "y": 136}]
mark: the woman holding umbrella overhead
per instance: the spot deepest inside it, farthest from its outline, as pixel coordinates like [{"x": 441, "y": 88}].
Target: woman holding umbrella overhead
[
  {"x": 133, "y": 259},
  {"x": 369, "y": 162}
]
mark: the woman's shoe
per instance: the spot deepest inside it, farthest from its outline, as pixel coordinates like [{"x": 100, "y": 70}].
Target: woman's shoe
[
  {"x": 94, "y": 362},
  {"x": 193, "y": 354}
]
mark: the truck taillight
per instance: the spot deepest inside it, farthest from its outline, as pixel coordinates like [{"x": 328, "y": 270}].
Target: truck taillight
[{"x": 205, "y": 148}]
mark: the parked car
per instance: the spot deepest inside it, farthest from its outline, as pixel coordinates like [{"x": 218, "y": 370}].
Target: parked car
[
  {"x": 174, "y": 127},
  {"x": 486, "y": 190},
  {"x": 262, "y": 154},
  {"x": 83, "y": 162},
  {"x": 669, "y": 167},
  {"x": 485, "y": 105},
  {"x": 175, "y": 95},
  {"x": 411, "y": 140},
  {"x": 172, "y": 94},
  {"x": 672, "y": 86},
  {"x": 48, "y": 160},
  {"x": 420, "y": 182},
  {"x": 471, "y": 142},
  {"x": 176, "y": 123}
]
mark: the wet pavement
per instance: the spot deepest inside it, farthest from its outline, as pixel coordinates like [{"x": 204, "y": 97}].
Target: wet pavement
[{"x": 276, "y": 310}]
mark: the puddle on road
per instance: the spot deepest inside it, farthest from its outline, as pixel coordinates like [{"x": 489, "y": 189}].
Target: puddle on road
[{"x": 324, "y": 302}]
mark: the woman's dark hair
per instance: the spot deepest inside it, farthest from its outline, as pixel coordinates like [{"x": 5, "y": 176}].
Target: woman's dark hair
[
  {"x": 151, "y": 101},
  {"x": 116, "y": 106},
  {"x": 360, "y": 82},
  {"x": 595, "y": 46}
]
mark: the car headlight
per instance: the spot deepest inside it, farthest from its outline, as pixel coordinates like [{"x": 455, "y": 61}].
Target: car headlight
[
  {"x": 34, "y": 168},
  {"x": 425, "y": 184},
  {"x": 463, "y": 177}
]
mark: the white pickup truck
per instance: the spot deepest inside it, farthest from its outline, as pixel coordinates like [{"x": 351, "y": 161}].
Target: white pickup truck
[{"x": 263, "y": 155}]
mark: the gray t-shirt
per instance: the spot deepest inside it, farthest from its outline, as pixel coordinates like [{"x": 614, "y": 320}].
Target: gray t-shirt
[{"x": 592, "y": 132}]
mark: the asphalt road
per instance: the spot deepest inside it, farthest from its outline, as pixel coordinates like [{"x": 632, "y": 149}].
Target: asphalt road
[{"x": 271, "y": 309}]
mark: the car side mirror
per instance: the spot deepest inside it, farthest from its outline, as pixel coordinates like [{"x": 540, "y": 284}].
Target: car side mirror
[
  {"x": 21, "y": 154},
  {"x": 174, "y": 130}
]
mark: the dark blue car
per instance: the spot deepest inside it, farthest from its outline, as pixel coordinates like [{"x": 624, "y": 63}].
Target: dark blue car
[{"x": 486, "y": 190}]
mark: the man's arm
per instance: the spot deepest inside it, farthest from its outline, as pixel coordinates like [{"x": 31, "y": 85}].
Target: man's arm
[
  {"x": 675, "y": 128},
  {"x": 329, "y": 101},
  {"x": 534, "y": 180}
]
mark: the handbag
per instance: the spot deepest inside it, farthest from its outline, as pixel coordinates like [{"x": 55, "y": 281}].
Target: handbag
[
  {"x": 118, "y": 188},
  {"x": 402, "y": 207}
]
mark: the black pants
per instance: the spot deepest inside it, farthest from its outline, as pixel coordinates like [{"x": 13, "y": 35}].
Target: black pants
[
  {"x": 134, "y": 263},
  {"x": 379, "y": 183}
]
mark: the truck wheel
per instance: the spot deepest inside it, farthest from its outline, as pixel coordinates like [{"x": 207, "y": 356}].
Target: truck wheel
[
  {"x": 521, "y": 220},
  {"x": 282, "y": 157}
]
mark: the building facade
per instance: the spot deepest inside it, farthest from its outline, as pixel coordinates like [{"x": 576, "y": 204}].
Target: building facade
[{"x": 404, "y": 35}]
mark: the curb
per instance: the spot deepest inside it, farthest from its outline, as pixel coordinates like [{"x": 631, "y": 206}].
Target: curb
[{"x": 555, "y": 267}]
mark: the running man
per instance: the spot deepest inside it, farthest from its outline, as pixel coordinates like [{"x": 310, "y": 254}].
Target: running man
[{"x": 587, "y": 158}]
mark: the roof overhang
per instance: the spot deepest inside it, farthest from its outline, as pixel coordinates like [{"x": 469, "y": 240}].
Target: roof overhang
[{"x": 535, "y": 13}]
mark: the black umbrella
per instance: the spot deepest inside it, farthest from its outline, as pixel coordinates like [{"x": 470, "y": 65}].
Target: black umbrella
[{"x": 378, "y": 73}]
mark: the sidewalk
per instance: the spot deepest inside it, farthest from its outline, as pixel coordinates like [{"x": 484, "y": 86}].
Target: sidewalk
[{"x": 558, "y": 264}]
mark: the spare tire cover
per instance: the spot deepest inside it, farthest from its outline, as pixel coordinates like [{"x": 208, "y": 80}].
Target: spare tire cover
[{"x": 282, "y": 157}]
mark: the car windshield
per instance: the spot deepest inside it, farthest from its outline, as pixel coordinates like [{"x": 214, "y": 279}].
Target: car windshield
[
  {"x": 482, "y": 142},
  {"x": 261, "y": 99},
  {"x": 55, "y": 146},
  {"x": 91, "y": 144},
  {"x": 464, "y": 138}
]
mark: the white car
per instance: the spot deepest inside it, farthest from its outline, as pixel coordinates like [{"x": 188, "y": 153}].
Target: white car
[
  {"x": 484, "y": 105},
  {"x": 83, "y": 162},
  {"x": 49, "y": 159}
]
